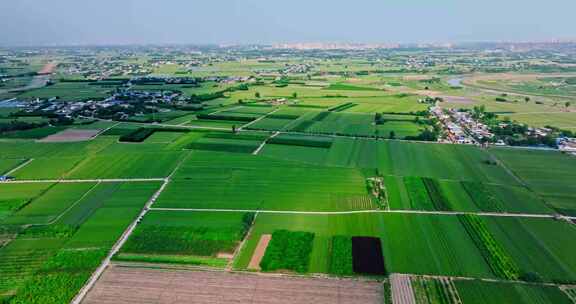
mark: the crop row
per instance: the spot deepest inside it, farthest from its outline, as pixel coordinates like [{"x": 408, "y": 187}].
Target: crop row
[
  {"x": 419, "y": 198},
  {"x": 199, "y": 241},
  {"x": 222, "y": 147},
  {"x": 226, "y": 117},
  {"x": 301, "y": 141},
  {"x": 342, "y": 107},
  {"x": 341, "y": 256},
  {"x": 288, "y": 250},
  {"x": 483, "y": 197},
  {"x": 494, "y": 254},
  {"x": 431, "y": 291},
  {"x": 60, "y": 278},
  {"x": 436, "y": 195}
]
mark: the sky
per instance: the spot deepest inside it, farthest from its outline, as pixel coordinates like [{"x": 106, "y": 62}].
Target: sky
[{"x": 109, "y": 22}]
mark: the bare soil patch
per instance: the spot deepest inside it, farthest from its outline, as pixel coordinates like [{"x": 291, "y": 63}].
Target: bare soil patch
[
  {"x": 47, "y": 69},
  {"x": 259, "y": 252},
  {"x": 225, "y": 255},
  {"x": 70, "y": 135},
  {"x": 144, "y": 285},
  {"x": 416, "y": 77}
]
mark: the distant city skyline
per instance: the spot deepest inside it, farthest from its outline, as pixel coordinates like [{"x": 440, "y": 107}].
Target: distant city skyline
[{"x": 107, "y": 22}]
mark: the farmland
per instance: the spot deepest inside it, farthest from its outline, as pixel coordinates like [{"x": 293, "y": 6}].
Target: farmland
[{"x": 283, "y": 176}]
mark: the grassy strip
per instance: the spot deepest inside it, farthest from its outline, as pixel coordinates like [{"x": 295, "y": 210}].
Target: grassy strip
[
  {"x": 288, "y": 250},
  {"x": 419, "y": 198},
  {"x": 222, "y": 147},
  {"x": 302, "y": 126},
  {"x": 302, "y": 142},
  {"x": 494, "y": 254},
  {"x": 482, "y": 197},
  {"x": 60, "y": 278},
  {"x": 237, "y": 136},
  {"x": 283, "y": 116},
  {"x": 436, "y": 195},
  {"x": 387, "y": 292},
  {"x": 172, "y": 259},
  {"x": 341, "y": 256},
  {"x": 225, "y": 117}
]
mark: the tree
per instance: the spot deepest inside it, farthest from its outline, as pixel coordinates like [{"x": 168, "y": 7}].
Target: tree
[
  {"x": 379, "y": 119},
  {"x": 392, "y": 135},
  {"x": 257, "y": 95},
  {"x": 567, "y": 104},
  {"x": 526, "y": 99},
  {"x": 294, "y": 95}
]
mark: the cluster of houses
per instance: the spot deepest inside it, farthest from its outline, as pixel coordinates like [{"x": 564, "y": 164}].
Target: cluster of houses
[
  {"x": 96, "y": 68},
  {"x": 301, "y": 68},
  {"x": 567, "y": 145},
  {"x": 461, "y": 127}
]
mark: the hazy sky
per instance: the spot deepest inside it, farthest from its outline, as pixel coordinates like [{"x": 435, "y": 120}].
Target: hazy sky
[{"x": 35, "y": 22}]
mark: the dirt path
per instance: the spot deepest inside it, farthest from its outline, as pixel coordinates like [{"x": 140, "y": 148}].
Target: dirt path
[
  {"x": 259, "y": 252},
  {"x": 402, "y": 292},
  {"x": 264, "y": 143},
  {"x": 22, "y": 165},
  {"x": 454, "y": 213}
]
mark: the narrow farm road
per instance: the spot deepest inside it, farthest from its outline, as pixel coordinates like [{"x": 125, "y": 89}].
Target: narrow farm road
[
  {"x": 257, "y": 120},
  {"x": 22, "y": 165},
  {"x": 103, "y": 180},
  {"x": 492, "y": 214},
  {"x": 264, "y": 143}
]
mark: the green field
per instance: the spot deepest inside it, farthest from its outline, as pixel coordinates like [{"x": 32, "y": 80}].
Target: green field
[
  {"x": 440, "y": 243},
  {"x": 206, "y": 149},
  {"x": 204, "y": 181},
  {"x": 475, "y": 292},
  {"x": 186, "y": 237}
]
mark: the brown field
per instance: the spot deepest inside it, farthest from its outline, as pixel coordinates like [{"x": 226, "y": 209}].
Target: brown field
[
  {"x": 47, "y": 69},
  {"x": 70, "y": 135},
  {"x": 144, "y": 285},
  {"x": 259, "y": 252}
]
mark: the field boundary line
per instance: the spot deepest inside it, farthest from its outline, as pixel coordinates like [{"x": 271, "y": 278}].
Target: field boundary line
[
  {"x": 120, "y": 242},
  {"x": 258, "y": 119},
  {"x": 463, "y": 278},
  {"x": 283, "y": 131},
  {"x": 22, "y": 165},
  {"x": 399, "y": 211},
  {"x": 69, "y": 208},
  {"x": 70, "y": 181},
  {"x": 264, "y": 143},
  {"x": 230, "y": 265},
  {"x": 224, "y": 110}
]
